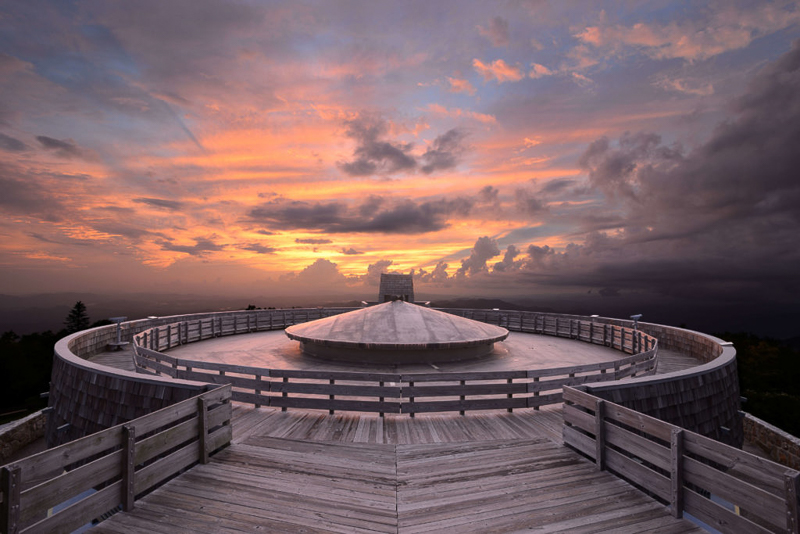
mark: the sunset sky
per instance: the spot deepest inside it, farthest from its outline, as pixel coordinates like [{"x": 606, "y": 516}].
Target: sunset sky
[{"x": 494, "y": 148}]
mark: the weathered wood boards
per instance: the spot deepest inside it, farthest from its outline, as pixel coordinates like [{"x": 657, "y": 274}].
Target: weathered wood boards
[
  {"x": 113, "y": 465},
  {"x": 727, "y": 488},
  {"x": 270, "y": 484}
]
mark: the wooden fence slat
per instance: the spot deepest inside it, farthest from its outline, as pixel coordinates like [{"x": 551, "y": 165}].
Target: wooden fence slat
[
  {"x": 676, "y": 472},
  {"x": 11, "y": 483},
  {"x": 792, "y": 483},
  {"x": 599, "y": 435},
  {"x": 128, "y": 466},
  {"x": 719, "y": 517},
  {"x": 736, "y": 491},
  {"x": 79, "y": 513},
  {"x": 202, "y": 409}
]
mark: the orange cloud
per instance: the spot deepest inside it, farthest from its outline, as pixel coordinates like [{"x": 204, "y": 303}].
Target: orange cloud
[
  {"x": 498, "y": 70},
  {"x": 460, "y": 86}
]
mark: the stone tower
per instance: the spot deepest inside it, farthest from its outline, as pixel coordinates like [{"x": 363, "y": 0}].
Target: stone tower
[{"x": 396, "y": 287}]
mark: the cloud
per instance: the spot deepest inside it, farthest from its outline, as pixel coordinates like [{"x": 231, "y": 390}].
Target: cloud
[
  {"x": 727, "y": 27},
  {"x": 171, "y": 205},
  {"x": 23, "y": 194},
  {"x": 313, "y": 241},
  {"x": 496, "y": 31},
  {"x": 201, "y": 247},
  {"x": 437, "y": 276},
  {"x": 259, "y": 249},
  {"x": 685, "y": 86},
  {"x": 488, "y": 194},
  {"x": 351, "y": 251},
  {"x": 460, "y": 86},
  {"x": 458, "y": 112},
  {"x": 444, "y": 151},
  {"x": 12, "y": 144},
  {"x": 402, "y": 216},
  {"x": 485, "y": 248},
  {"x": 498, "y": 70},
  {"x": 508, "y": 263},
  {"x": 539, "y": 71},
  {"x": 63, "y": 149},
  {"x": 373, "y": 154},
  {"x": 374, "y": 271},
  {"x": 322, "y": 273}
]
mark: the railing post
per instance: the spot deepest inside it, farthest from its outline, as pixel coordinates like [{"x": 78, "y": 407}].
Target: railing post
[
  {"x": 257, "y": 390},
  {"x": 235, "y": 325},
  {"x": 463, "y": 397},
  {"x": 600, "y": 434},
  {"x": 536, "y": 393},
  {"x": 380, "y": 398},
  {"x": 9, "y": 512},
  {"x": 331, "y": 397},
  {"x": 202, "y": 420},
  {"x": 169, "y": 336},
  {"x": 285, "y": 393},
  {"x": 676, "y": 471},
  {"x": 791, "y": 481},
  {"x": 200, "y": 329},
  {"x": 128, "y": 467},
  {"x": 510, "y": 395},
  {"x": 411, "y": 399}
]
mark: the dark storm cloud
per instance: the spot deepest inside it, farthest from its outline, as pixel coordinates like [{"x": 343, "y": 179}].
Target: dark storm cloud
[
  {"x": 200, "y": 248},
  {"x": 404, "y": 216},
  {"x": 496, "y": 31},
  {"x": 313, "y": 241},
  {"x": 488, "y": 194},
  {"x": 374, "y": 154},
  {"x": 508, "y": 263},
  {"x": 63, "y": 149},
  {"x": 719, "y": 220},
  {"x": 444, "y": 151},
  {"x": 171, "y": 205},
  {"x": 485, "y": 249},
  {"x": 527, "y": 202},
  {"x": 25, "y": 194},
  {"x": 259, "y": 249},
  {"x": 12, "y": 144}
]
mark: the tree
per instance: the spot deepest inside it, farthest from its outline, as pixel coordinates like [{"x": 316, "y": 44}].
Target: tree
[{"x": 77, "y": 319}]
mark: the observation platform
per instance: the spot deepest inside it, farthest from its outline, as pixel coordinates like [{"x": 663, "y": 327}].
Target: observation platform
[
  {"x": 568, "y": 426},
  {"x": 308, "y": 471}
]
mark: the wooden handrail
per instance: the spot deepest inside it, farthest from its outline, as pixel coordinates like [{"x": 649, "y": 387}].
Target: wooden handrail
[
  {"x": 91, "y": 476},
  {"x": 393, "y": 393},
  {"x": 683, "y": 469}
]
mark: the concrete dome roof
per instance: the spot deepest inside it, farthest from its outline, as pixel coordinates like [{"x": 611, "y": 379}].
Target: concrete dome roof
[{"x": 397, "y": 326}]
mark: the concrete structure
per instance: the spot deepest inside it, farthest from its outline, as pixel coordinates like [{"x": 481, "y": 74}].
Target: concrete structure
[
  {"x": 396, "y": 286},
  {"x": 396, "y": 332}
]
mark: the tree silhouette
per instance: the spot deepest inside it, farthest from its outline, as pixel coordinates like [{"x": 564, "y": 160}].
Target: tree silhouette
[{"x": 77, "y": 319}]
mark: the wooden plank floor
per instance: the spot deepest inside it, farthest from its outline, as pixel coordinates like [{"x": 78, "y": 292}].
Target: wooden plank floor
[{"x": 300, "y": 471}]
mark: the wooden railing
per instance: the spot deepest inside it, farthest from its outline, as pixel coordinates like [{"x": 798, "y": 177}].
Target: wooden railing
[
  {"x": 728, "y": 489},
  {"x": 395, "y": 393},
  {"x": 63, "y": 488}
]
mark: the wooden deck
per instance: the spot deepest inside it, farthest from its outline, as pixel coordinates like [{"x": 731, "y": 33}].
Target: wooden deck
[
  {"x": 310, "y": 472},
  {"x": 300, "y": 471}
]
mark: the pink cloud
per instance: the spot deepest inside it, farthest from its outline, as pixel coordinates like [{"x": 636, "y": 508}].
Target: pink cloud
[
  {"x": 498, "y": 70},
  {"x": 539, "y": 71},
  {"x": 460, "y": 86},
  {"x": 458, "y": 112},
  {"x": 697, "y": 39}
]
